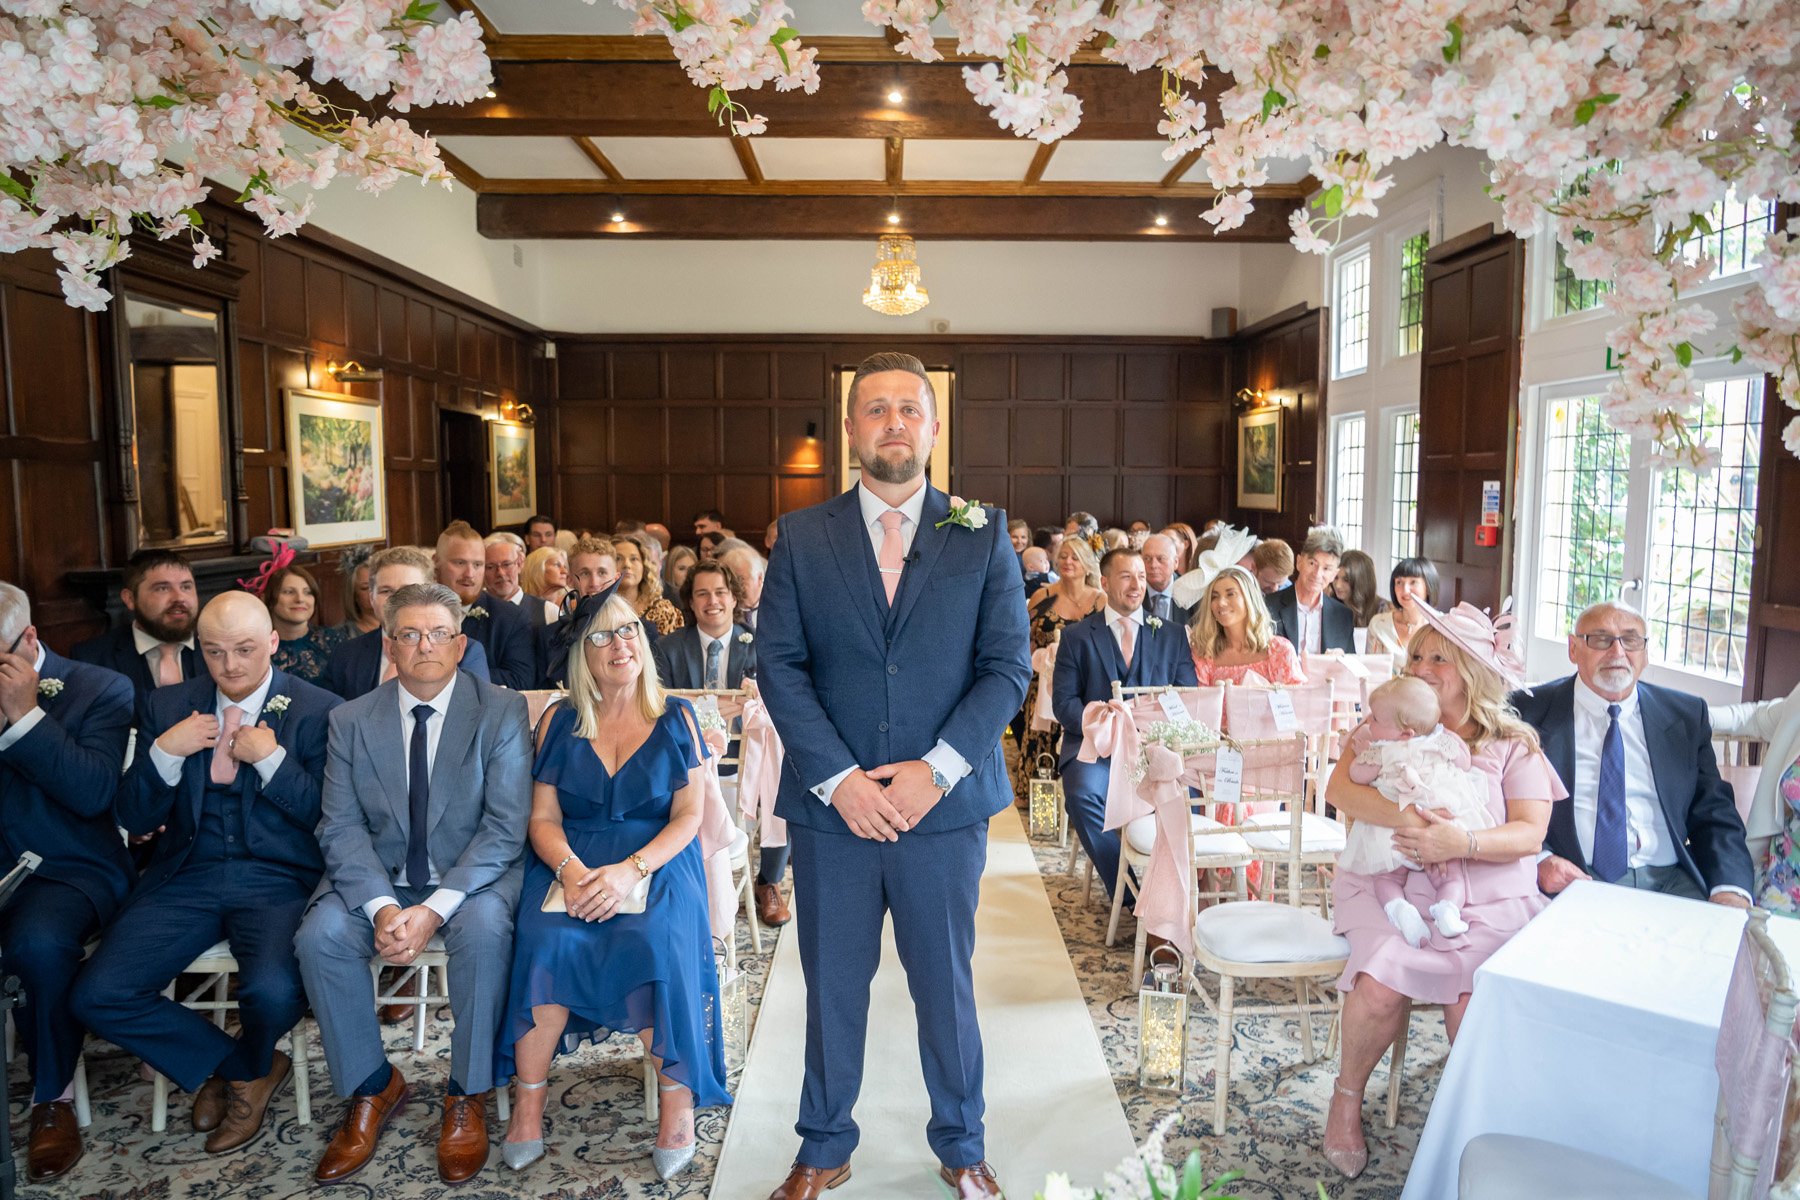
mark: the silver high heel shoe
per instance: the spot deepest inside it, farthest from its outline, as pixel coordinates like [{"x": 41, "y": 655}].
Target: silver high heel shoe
[
  {"x": 519, "y": 1155},
  {"x": 670, "y": 1163}
]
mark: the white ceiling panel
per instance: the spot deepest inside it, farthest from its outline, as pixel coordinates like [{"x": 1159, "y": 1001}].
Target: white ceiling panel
[
  {"x": 1005, "y": 159},
  {"x": 1281, "y": 170},
  {"x": 821, "y": 158},
  {"x": 522, "y": 157},
  {"x": 1078, "y": 161},
  {"x": 672, "y": 157},
  {"x": 818, "y": 18}
]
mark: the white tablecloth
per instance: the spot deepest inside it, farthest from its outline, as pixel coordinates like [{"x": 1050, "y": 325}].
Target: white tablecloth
[{"x": 1595, "y": 1027}]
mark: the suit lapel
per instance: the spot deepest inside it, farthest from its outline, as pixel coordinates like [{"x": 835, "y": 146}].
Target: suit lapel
[
  {"x": 1665, "y": 767},
  {"x": 387, "y": 749},
  {"x": 1106, "y": 646},
  {"x": 1558, "y": 738},
  {"x": 927, "y": 548},
  {"x": 850, "y": 546},
  {"x": 695, "y": 656},
  {"x": 453, "y": 744},
  {"x": 734, "y": 658}
]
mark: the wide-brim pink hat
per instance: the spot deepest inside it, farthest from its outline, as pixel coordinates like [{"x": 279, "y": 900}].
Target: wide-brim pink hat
[{"x": 1487, "y": 640}]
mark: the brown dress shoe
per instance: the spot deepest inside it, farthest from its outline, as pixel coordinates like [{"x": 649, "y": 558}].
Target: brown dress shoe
[
  {"x": 245, "y": 1106},
  {"x": 806, "y": 1183},
  {"x": 209, "y": 1105},
  {"x": 965, "y": 1182},
  {"x": 55, "y": 1144},
  {"x": 353, "y": 1145},
  {"x": 393, "y": 1014},
  {"x": 771, "y": 909},
  {"x": 463, "y": 1138}
]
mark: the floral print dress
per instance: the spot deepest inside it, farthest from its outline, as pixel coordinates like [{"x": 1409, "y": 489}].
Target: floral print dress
[
  {"x": 1781, "y": 885},
  {"x": 1046, "y": 624}
]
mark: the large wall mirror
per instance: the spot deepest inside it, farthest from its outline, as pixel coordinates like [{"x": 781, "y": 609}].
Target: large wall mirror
[{"x": 178, "y": 406}]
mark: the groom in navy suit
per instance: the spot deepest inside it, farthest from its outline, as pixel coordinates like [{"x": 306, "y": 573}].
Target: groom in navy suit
[
  {"x": 1121, "y": 642},
  {"x": 893, "y": 649}
]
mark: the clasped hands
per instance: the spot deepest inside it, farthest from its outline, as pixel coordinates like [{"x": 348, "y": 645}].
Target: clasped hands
[
  {"x": 883, "y": 803},
  {"x": 594, "y": 893},
  {"x": 200, "y": 731},
  {"x": 18, "y": 686},
  {"x": 400, "y": 933}
]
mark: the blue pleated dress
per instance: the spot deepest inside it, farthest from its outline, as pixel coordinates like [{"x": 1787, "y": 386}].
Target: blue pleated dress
[{"x": 650, "y": 970}]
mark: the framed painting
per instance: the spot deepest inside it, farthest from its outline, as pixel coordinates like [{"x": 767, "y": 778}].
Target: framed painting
[
  {"x": 512, "y": 473},
  {"x": 1259, "y": 459},
  {"x": 337, "y": 483}
]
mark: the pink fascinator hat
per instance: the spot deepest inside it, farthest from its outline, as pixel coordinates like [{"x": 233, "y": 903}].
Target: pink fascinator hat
[{"x": 1488, "y": 641}]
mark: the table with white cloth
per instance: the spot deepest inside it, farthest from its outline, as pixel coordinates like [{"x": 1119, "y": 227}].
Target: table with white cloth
[{"x": 1595, "y": 1027}]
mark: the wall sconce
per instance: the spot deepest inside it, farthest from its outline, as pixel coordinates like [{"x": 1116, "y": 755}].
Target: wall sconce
[
  {"x": 518, "y": 412},
  {"x": 1254, "y": 397},
  {"x": 812, "y": 431},
  {"x": 353, "y": 372}
]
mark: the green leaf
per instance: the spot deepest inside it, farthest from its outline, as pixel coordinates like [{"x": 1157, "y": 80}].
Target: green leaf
[
  {"x": 1330, "y": 201},
  {"x": 1584, "y": 112},
  {"x": 681, "y": 20},
  {"x": 784, "y": 35},
  {"x": 1684, "y": 353},
  {"x": 717, "y": 98},
  {"x": 419, "y": 10},
  {"x": 161, "y": 102},
  {"x": 1272, "y": 100},
  {"x": 1192, "y": 1177},
  {"x": 13, "y": 188},
  {"x": 1737, "y": 354},
  {"x": 1453, "y": 47},
  {"x": 1021, "y": 45},
  {"x": 193, "y": 216},
  {"x": 1321, "y": 52}
]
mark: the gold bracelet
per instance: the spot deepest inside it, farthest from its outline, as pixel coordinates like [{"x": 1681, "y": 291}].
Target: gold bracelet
[{"x": 637, "y": 860}]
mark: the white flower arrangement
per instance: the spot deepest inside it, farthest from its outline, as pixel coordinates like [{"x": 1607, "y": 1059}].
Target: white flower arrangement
[
  {"x": 1183, "y": 737},
  {"x": 967, "y": 513},
  {"x": 709, "y": 717},
  {"x": 476, "y": 611},
  {"x": 746, "y": 637},
  {"x": 277, "y": 704},
  {"x": 48, "y": 688},
  {"x": 1154, "y": 622},
  {"x": 1146, "y": 1175}
]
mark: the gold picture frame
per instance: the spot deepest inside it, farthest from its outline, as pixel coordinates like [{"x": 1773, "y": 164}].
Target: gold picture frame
[
  {"x": 512, "y": 472},
  {"x": 337, "y": 468},
  {"x": 1259, "y": 455}
]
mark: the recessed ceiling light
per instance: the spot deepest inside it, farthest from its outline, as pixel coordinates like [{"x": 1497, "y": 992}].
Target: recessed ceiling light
[
  {"x": 618, "y": 218},
  {"x": 893, "y": 218},
  {"x": 896, "y": 96},
  {"x": 1161, "y": 220}
]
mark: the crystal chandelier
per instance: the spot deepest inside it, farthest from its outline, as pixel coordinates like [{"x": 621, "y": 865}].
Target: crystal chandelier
[{"x": 894, "y": 286}]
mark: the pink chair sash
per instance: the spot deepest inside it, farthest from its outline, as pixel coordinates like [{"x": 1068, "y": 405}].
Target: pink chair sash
[
  {"x": 1165, "y": 897},
  {"x": 1109, "y": 731},
  {"x": 716, "y": 835},
  {"x": 1753, "y": 1065},
  {"x": 759, "y": 773},
  {"x": 1043, "y": 661}
]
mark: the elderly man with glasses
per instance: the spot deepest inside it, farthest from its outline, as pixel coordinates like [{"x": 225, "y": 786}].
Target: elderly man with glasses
[{"x": 1646, "y": 807}]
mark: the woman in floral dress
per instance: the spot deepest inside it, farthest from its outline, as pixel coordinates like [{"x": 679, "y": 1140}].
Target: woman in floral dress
[{"x": 1072, "y": 597}]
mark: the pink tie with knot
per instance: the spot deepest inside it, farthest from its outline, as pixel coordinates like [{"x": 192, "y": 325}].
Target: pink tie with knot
[
  {"x": 168, "y": 664},
  {"x": 892, "y": 559},
  {"x": 1127, "y": 639},
  {"x": 224, "y": 767}
]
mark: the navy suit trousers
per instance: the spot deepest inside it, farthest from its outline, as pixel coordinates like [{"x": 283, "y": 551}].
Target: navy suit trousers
[
  {"x": 1084, "y": 796},
  {"x": 254, "y": 905},
  {"x": 43, "y": 936},
  {"x": 843, "y": 888}
]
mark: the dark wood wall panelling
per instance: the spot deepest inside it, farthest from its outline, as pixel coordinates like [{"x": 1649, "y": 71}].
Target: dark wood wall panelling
[
  {"x": 1284, "y": 356},
  {"x": 1773, "y": 666}
]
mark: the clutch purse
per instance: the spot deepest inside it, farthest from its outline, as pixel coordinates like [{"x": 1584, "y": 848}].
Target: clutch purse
[{"x": 635, "y": 900}]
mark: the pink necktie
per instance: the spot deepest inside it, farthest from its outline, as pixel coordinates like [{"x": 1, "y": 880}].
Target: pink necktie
[
  {"x": 224, "y": 767},
  {"x": 892, "y": 559},
  {"x": 168, "y": 670},
  {"x": 1127, "y": 640}
]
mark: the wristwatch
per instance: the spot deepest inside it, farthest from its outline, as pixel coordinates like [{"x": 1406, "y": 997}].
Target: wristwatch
[{"x": 939, "y": 780}]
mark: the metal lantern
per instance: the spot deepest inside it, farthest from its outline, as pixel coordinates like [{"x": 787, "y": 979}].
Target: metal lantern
[
  {"x": 1046, "y": 799},
  {"x": 1162, "y": 1023},
  {"x": 733, "y": 1012}
]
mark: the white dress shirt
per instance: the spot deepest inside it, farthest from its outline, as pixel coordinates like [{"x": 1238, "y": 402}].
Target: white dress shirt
[
  {"x": 443, "y": 901},
  {"x": 943, "y": 756},
  {"x": 150, "y": 650},
  {"x": 1309, "y": 623},
  {"x": 25, "y": 724},
  {"x": 169, "y": 766}
]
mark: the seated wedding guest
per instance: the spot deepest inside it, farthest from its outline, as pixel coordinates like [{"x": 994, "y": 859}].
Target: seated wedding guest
[
  {"x": 677, "y": 566},
  {"x": 230, "y": 764},
  {"x": 451, "y": 866},
  {"x": 1115, "y": 539},
  {"x": 503, "y": 631},
  {"x": 63, "y": 728},
  {"x": 750, "y": 568},
  {"x": 707, "y": 521},
  {"x": 659, "y": 533},
  {"x": 1307, "y": 614},
  {"x": 566, "y": 539},
  {"x": 1185, "y": 550},
  {"x": 631, "y": 948},
  {"x": 1272, "y": 562},
  {"x": 1470, "y": 665},
  {"x": 1137, "y": 527},
  {"x": 1773, "y": 810},
  {"x": 1232, "y": 635},
  {"x": 292, "y": 597},
  {"x": 593, "y": 568},
  {"x": 1036, "y": 565},
  {"x": 1647, "y": 807},
  {"x": 1074, "y": 593},
  {"x": 362, "y": 664},
  {"x": 709, "y": 544},
  {"x": 156, "y": 646},
  {"x": 503, "y": 576},
  {"x": 1159, "y": 553},
  {"x": 1411, "y": 580},
  {"x": 1044, "y": 538},
  {"x": 769, "y": 536},
  {"x": 353, "y": 574},
  {"x": 1020, "y": 534},
  {"x": 1082, "y": 525},
  {"x": 540, "y": 531},
  {"x": 1356, "y": 589},
  {"x": 641, "y": 587},
  {"x": 1116, "y": 643},
  {"x": 546, "y": 576}
]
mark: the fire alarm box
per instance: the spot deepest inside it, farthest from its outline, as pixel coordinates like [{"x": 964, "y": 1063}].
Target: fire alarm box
[
  {"x": 1487, "y": 535},
  {"x": 1487, "y": 530}
]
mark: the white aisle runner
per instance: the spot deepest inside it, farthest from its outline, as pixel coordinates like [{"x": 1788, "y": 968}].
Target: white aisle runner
[{"x": 1051, "y": 1103}]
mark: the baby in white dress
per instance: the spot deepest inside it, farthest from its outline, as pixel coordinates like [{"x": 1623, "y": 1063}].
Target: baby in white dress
[{"x": 1406, "y": 755}]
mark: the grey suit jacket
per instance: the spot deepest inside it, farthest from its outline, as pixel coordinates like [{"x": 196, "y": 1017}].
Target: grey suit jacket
[{"x": 480, "y": 793}]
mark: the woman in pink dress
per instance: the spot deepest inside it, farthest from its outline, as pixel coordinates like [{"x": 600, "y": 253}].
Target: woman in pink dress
[
  {"x": 1468, "y": 662},
  {"x": 1232, "y": 635}
]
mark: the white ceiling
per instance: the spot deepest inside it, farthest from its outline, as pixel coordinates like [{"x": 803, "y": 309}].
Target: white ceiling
[
  {"x": 968, "y": 158},
  {"x": 1106, "y": 162},
  {"x": 526, "y": 157},
  {"x": 821, "y": 158},
  {"x": 818, "y": 18},
  {"x": 672, "y": 157}
]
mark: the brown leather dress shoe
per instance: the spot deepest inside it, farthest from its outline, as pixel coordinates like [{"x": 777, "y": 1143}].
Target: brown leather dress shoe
[
  {"x": 977, "y": 1180},
  {"x": 209, "y": 1105},
  {"x": 246, "y": 1104},
  {"x": 55, "y": 1144},
  {"x": 771, "y": 909},
  {"x": 806, "y": 1183},
  {"x": 463, "y": 1138},
  {"x": 353, "y": 1145}
]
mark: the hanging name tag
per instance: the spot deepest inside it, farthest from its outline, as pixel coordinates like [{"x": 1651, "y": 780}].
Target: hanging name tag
[
  {"x": 1281, "y": 706},
  {"x": 1355, "y": 666},
  {"x": 1172, "y": 708},
  {"x": 707, "y": 704},
  {"x": 1228, "y": 778}
]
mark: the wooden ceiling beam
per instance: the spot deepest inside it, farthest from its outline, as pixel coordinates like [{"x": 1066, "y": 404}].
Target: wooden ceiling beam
[
  {"x": 896, "y": 161},
  {"x": 1198, "y": 193},
  {"x": 558, "y": 47},
  {"x": 1180, "y": 168},
  {"x": 746, "y": 156},
  {"x": 1039, "y": 161},
  {"x": 468, "y": 176},
  {"x": 489, "y": 34},
  {"x": 594, "y": 155},
  {"x": 839, "y": 217}
]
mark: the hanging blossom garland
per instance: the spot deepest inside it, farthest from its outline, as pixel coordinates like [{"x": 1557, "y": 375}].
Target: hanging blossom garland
[{"x": 96, "y": 96}]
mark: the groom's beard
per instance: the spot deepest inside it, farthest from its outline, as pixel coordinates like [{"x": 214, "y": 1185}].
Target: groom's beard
[{"x": 904, "y": 470}]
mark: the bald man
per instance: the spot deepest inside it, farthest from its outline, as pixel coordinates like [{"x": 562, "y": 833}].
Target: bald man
[{"x": 232, "y": 774}]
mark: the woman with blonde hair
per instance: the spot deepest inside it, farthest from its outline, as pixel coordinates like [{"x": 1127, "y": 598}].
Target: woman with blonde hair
[
  {"x": 1232, "y": 636},
  {"x": 677, "y": 566},
  {"x": 1074, "y": 595},
  {"x": 626, "y": 945},
  {"x": 546, "y": 576},
  {"x": 642, "y": 586}
]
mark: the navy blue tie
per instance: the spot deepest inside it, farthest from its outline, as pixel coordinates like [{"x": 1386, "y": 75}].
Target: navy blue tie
[
  {"x": 1159, "y": 607},
  {"x": 1609, "y": 810},
  {"x": 418, "y": 801},
  {"x": 714, "y": 649}
]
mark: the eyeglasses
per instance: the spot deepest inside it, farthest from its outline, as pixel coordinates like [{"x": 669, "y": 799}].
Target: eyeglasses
[
  {"x": 411, "y": 637},
  {"x": 1631, "y": 642},
  {"x": 602, "y": 638},
  {"x": 16, "y": 641}
]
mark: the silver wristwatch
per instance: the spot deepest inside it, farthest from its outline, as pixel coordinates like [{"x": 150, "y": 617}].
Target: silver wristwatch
[{"x": 938, "y": 779}]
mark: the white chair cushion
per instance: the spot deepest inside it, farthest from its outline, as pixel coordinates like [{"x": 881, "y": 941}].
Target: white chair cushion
[
  {"x": 1502, "y": 1166},
  {"x": 740, "y": 848},
  {"x": 1261, "y": 931},
  {"x": 1140, "y": 835},
  {"x": 217, "y": 957},
  {"x": 1318, "y": 835}
]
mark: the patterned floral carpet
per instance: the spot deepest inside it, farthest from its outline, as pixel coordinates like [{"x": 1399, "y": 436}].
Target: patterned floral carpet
[{"x": 599, "y": 1138}]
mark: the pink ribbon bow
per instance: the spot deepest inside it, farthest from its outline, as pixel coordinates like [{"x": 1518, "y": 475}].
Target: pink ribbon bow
[
  {"x": 283, "y": 555},
  {"x": 1165, "y": 893},
  {"x": 1043, "y": 661},
  {"x": 1108, "y": 731},
  {"x": 716, "y": 836},
  {"x": 759, "y": 773}
]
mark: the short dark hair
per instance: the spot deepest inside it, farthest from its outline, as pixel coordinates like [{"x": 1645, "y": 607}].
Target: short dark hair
[
  {"x": 710, "y": 514},
  {"x": 146, "y": 561},
  {"x": 1042, "y": 536},
  {"x": 713, "y": 567},
  {"x": 539, "y": 519},
  {"x": 1415, "y": 568},
  {"x": 1118, "y": 552},
  {"x": 891, "y": 360},
  {"x": 624, "y": 527}
]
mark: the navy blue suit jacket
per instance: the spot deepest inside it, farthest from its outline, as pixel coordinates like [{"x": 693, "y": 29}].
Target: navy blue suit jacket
[
  {"x": 280, "y": 818},
  {"x": 116, "y": 650},
  {"x": 1697, "y": 805},
  {"x": 1339, "y": 622},
  {"x": 1088, "y": 661},
  {"x": 351, "y": 670},
  {"x": 682, "y": 664},
  {"x": 506, "y": 634},
  {"x": 57, "y": 783},
  {"x": 851, "y": 682}
]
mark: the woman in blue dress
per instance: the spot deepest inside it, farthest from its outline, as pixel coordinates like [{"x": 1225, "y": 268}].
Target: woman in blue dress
[{"x": 617, "y": 799}]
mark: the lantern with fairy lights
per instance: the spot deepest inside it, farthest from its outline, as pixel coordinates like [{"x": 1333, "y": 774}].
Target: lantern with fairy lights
[{"x": 1162, "y": 1023}]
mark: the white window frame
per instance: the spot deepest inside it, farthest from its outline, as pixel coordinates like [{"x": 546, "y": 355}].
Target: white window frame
[
  {"x": 1361, "y": 252},
  {"x": 1335, "y": 446},
  {"x": 1388, "y": 456}
]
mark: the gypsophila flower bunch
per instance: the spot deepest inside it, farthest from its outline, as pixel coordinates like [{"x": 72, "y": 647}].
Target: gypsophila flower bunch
[
  {"x": 476, "y": 611},
  {"x": 1147, "y": 1175},
  {"x": 277, "y": 705},
  {"x": 709, "y": 717},
  {"x": 1183, "y": 737},
  {"x": 50, "y": 688}
]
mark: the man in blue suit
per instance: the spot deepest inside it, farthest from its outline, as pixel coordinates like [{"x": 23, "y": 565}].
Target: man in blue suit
[
  {"x": 360, "y": 665},
  {"x": 156, "y": 646},
  {"x": 892, "y": 651},
  {"x": 1307, "y": 614},
  {"x": 63, "y": 727},
  {"x": 1120, "y": 642},
  {"x": 230, "y": 766},
  {"x": 1646, "y": 808},
  {"x": 502, "y": 629}
]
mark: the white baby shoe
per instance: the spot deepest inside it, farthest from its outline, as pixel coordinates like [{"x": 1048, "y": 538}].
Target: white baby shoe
[
  {"x": 1449, "y": 919},
  {"x": 1407, "y": 920}
]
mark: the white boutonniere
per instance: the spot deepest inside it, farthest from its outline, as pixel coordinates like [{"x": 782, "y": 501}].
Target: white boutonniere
[
  {"x": 50, "y": 687},
  {"x": 1153, "y": 622},
  {"x": 475, "y": 610},
  {"x": 967, "y": 513},
  {"x": 746, "y": 637},
  {"x": 277, "y": 704}
]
